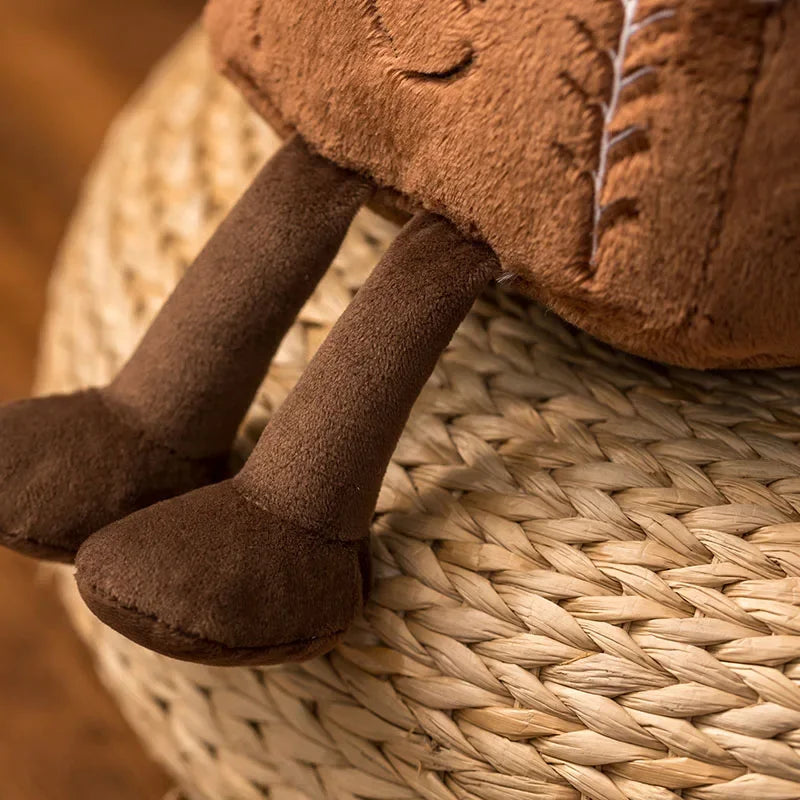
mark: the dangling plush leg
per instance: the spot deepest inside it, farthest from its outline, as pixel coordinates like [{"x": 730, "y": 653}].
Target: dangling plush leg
[
  {"x": 268, "y": 566},
  {"x": 71, "y": 464}
]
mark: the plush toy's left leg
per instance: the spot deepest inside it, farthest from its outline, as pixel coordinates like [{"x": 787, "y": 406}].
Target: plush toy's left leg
[
  {"x": 70, "y": 464},
  {"x": 270, "y": 566}
]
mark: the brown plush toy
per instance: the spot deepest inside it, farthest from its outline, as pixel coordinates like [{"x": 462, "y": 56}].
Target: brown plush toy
[{"x": 632, "y": 164}]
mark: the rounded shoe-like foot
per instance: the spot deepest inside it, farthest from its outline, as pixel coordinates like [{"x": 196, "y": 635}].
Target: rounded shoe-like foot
[
  {"x": 211, "y": 577},
  {"x": 71, "y": 464}
]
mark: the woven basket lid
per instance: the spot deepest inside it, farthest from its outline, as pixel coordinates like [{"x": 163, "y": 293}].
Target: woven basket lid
[{"x": 587, "y": 565}]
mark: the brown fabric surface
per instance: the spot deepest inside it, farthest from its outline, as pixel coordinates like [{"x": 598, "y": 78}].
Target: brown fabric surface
[
  {"x": 322, "y": 457},
  {"x": 211, "y": 577},
  {"x": 71, "y": 464},
  {"x": 197, "y": 369},
  {"x": 680, "y": 244},
  {"x": 272, "y": 565},
  {"x": 753, "y": 262}
]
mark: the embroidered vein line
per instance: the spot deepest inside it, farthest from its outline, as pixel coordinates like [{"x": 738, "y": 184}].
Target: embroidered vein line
[{"x": 609, "y": 139}]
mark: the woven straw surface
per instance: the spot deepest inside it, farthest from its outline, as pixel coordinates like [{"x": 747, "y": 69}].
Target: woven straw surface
[{"x": 588, "y": 567}]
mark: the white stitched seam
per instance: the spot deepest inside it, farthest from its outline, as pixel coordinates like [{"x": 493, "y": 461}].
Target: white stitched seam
[
  {"x": 505, "y": 277},
  {"x": 620, "y": 81}
]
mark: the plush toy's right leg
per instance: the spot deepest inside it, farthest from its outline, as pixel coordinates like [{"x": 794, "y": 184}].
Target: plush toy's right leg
[{"x": 71, "y": 464}]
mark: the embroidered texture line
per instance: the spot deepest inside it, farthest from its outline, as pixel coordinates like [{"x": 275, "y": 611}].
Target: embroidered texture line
[{"x": 620, "y": 80}]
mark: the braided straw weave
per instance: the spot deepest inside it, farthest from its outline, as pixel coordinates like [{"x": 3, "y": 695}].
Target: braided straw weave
[{"x": 588, "y": 566}]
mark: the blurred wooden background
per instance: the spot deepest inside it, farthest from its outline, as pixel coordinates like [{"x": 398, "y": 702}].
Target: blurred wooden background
[{"x": 66, "y": 66}]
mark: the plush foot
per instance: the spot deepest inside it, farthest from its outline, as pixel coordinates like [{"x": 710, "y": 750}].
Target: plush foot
[
  {"x": 71, "y": 464},
  {"x": 212, "y": 577}
]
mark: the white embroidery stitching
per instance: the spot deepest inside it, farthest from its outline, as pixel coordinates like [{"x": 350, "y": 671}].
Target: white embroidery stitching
[{"x": 620, "y": 81}]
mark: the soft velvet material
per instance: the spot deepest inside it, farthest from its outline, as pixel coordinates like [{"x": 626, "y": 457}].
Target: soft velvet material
[
  {"x": 71, "y": 464},
  {"x": 651, "y": 198},
  {"x": 197, "y": 369},
  {"x": 211, "y": 577},
  {"x": 272, "y": 565},
  {"x": 322, "y": 457}
]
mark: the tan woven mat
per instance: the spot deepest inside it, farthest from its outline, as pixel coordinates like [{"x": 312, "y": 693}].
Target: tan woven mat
[{"x": 588, "y": 566}]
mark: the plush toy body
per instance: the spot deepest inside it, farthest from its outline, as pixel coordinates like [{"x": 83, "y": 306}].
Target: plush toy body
[{"x": 632, "y": 164}]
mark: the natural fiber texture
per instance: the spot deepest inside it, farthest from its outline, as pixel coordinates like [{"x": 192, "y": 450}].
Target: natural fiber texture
[{"x": 588, "y": 567}]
